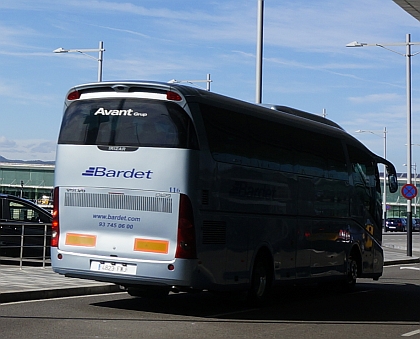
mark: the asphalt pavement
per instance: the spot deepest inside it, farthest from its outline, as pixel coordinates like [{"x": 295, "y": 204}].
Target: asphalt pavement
[{"x": 30, "y": 282}]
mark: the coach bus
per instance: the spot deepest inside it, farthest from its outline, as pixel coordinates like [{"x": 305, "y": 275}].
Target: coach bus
[{"x": 163, "y": 187}]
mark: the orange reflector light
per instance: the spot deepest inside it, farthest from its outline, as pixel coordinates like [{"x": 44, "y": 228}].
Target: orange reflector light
[
  {"x": 155, "y": 246},
  {"x": 74, "y": 239}
]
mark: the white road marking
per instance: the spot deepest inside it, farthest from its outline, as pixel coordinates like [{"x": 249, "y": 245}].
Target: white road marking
[
  {"x": 409, "y": 334},
  {"x": 410, "y": 268}
]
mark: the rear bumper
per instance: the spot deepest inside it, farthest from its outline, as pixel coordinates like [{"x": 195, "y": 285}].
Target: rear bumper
[
  {"x": 179, "y": 272},
  {"x": 394, "y": 228}
]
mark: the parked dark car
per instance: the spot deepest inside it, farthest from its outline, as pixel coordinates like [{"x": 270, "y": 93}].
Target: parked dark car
[
  {"x": 21, "y": 218},
  {"x": 396, "y": 225},
  {"x": 416, "y": 224}
]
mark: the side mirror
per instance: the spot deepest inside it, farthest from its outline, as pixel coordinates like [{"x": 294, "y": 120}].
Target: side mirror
[
  {"x": 392, "y": 173},
  {"x": 392, "y": 183}
]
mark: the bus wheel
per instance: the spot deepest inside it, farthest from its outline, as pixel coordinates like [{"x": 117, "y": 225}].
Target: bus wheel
[
  {"x": 351, "y": 274},
  {"x": 261, "y": 281}
]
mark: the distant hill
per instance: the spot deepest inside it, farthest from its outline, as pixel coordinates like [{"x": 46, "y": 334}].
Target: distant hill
[{"x": 35, "y": 162}]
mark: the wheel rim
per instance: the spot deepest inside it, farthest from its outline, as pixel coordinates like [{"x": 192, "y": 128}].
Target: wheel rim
[
  {"x": 353, "y": 272},
  {"x": 260, "y": 281}
]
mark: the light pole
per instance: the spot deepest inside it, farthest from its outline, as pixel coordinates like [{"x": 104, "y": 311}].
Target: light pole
[
  {"x": 101, "y": 51},
  {"x": 384, "y": 192},
  {"x": 416, "y": 199},
  {"x": 408, "y": 56},
  {"x": 260, "y": 24},
  {"x": 415, "y": 184}
]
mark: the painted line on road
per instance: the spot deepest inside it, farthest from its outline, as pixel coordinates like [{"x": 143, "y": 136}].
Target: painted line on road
[
  {"x": 409, "y": 334},
  {"x": 410, "y": 268}
]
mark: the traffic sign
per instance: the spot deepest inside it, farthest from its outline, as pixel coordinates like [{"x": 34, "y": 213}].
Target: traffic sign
[{"x": 409, "y": 191}]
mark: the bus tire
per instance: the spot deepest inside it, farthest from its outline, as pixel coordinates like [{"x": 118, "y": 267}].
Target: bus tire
[
  {"x": 351, "y": 277},
  {"x": 260, "y": 281}
]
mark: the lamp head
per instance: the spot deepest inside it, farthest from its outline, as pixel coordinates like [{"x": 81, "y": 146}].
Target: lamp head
[
  {"x": 60, "y": 50},
  {"x": 356, "y": 44}
]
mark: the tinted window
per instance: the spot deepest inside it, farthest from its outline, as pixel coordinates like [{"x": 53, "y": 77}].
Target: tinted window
[
  {"x": 127, "y": 122},
  {"x": 236, "y": 137},
  {"x": 366, "y": 183},
  {"x": 364, "y": 170},
  {"x": 21, "y": 212}
]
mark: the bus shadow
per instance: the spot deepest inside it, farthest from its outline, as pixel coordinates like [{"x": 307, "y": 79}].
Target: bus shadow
[{"x": 370, "y": 302}]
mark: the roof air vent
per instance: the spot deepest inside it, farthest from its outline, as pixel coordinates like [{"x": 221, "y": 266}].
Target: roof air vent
[{"x": 120, "y": 88}]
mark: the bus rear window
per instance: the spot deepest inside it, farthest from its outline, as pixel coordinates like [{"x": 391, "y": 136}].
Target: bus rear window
[{"x": 127, "y": 122}]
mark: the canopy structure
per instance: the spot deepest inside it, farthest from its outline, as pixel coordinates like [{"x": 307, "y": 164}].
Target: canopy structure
[{"x": 410, "y": 6}]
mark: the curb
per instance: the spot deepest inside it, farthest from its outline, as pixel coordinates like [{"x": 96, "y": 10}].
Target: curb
[
  {"x": 399, "y": 254},
  {"x": 57, "y": 293},
  {"x": 412, "y": 260}
]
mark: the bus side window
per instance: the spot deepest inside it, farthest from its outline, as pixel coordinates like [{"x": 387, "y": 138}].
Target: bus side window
[
  {"x": 227, "y": 133},
  {"x": 365, "y": 181}
]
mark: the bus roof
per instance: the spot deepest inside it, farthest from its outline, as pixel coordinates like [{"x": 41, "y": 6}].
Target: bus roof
[{"x": 289, "y": 115}]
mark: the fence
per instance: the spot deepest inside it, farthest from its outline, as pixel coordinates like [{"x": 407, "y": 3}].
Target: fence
[{"x": 25, "y": 244}]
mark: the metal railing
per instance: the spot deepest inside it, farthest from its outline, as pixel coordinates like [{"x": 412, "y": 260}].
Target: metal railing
[{"x": 25, "y": 244}]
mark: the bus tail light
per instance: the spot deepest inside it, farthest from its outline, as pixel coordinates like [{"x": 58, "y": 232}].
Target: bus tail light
[
  {"x": 173, "y": 96},
  {"x": 344, "y": 235},
  {"x": 73, "y": 95},
  {"x": 186, "y": 243},
  {"x": 55, "y": 229}
]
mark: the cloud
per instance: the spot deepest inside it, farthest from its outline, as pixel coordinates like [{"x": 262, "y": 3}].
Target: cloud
[
  {"x": 11, "y": 36},
  {"x": 234, "y": 21},
  {"x": 373, "y": 98},
  {"x": 143, "y": 68},
  {"x": 27, "y": 149},
  {"x": 11, "y": 89},
  {"x": 4, "y": 142},
  {"x": 124, "y": 31},
  {"x": 46, "y": 147},
  {"x": 148, "y": 11},
  {"x": 99, "y": 6}
]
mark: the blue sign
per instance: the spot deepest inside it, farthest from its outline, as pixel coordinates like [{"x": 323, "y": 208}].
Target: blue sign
[{"x": 409, "y": 191}]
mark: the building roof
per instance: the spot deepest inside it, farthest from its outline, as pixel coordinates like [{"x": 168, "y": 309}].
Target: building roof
[
  {"x": 410, "y": 6},
  {"x": 44, "y": 166}
]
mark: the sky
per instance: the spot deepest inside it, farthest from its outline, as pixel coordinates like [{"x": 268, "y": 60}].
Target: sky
[{"x": 306, "y": 64}]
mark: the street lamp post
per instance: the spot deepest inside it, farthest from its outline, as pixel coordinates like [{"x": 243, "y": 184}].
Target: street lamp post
[
  {"x": 415, "y": 184},
  {"x": 408, "y": 56},
  {"x": 384, "y": 192},
  {"x": 259, "y": 58},
  {"x": 100, "y": 50},
  {"x": 416, "y": 200}
]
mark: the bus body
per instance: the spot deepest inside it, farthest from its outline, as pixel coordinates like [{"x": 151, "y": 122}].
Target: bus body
[{"x": 164, "y": 187}]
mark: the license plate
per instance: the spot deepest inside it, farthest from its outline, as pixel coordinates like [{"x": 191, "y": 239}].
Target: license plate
[{"x": 111, "y": 267}]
